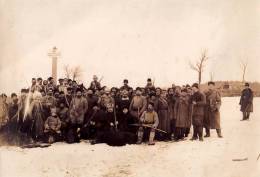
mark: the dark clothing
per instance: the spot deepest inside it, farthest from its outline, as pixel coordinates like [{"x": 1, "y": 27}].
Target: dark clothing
[
  {"x": 246, "y": 100},
  {"x": 95, "y": 85},
  {"x": 124, "y": 117},
  {"x": 198, "y": 108}
]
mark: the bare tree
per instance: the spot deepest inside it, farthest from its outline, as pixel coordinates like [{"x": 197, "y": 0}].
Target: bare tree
[
  {"x": 67, "y": 71},
  {"x": 76, "y": 73},
  {"x": 200, "y": 64},
  {"x": 243, "y": 64},
  {"x": 73, "y": 73}
]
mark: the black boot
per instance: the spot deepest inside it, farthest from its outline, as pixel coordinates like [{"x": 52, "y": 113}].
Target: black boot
[
  {"x": 207, "y": 133},
  {"x": 219, "y": 133}
]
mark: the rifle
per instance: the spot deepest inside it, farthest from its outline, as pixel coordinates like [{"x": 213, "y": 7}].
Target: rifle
[
  {"x": 115, "y": 117},
  {"x": 101, "y": 79},
  {"x": 153, "y": 81},
  {"x": 92, "y": 116},
  {"x": 148, "y": 126}
]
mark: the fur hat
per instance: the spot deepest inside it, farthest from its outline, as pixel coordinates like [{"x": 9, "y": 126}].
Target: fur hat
[{"x": 195, "y": 85}]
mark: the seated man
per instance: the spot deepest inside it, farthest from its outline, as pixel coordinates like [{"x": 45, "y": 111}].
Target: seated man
[
  {"x": 150, "y": 121},
  {"x": 52, "y": 127}
]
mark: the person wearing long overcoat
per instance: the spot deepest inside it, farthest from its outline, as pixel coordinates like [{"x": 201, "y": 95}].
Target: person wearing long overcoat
[
  {"x": 163, "y": 115},
  {"x": 246, "y": 102},
  {"x": 212, "y": 110},
  {"x": 198, "y": 101},
  {"x": 182, "y": 114}
]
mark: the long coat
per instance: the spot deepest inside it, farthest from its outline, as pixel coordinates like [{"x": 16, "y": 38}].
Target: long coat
[
  {"x": 246, "y": 100},
  {"x": 171, "y": 105},
  {"x": 77, "y": 110},
  {"x": 212, "y": 114},
  {"x": 182, "y": 111},
  {"x": 164, "y": 121},
  {"x": 38, "y": 118},
  {"x": 198, "y": 108}
]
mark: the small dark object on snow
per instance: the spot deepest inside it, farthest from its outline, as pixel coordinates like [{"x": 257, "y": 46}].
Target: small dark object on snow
[{"x": 238, "y": 160}]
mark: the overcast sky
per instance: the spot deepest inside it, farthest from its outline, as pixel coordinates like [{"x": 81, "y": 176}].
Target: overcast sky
[{"x": 131, "y": 39}]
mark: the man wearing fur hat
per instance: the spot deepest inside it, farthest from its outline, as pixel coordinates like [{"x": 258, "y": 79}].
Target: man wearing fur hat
[
  {"x": 138, "y": 105},
  {"x": 212, "y": 114},
  {"x": 78, "y": 108}
]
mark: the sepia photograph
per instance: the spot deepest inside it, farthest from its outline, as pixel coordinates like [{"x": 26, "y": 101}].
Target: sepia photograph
[{"x": 129, "y": 88}]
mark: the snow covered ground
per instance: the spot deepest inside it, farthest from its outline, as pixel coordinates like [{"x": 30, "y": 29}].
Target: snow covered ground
[{"x": 211, "y": 158}]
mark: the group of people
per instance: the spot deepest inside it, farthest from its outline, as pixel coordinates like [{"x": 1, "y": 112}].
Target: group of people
[{"x": 69, "y": 111}]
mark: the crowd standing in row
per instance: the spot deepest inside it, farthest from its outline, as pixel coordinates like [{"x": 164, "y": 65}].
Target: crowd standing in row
[{"x": 69, "y": 111}]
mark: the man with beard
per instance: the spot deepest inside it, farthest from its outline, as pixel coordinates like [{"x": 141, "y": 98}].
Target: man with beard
[
  {"x": 212, "y": 114},
  {"x": 198, "y": 101},
  {"x": 138, "y": 105},
  {"x": 149, "y": 118},
  {"x": 48, "y": 102},
  {"x": 77, "y": 111},
  {"x": 37, "y": 116},
  {"x": 95, "y": 84},
  {"x": 51, "y": 84},
  {"x": 24, "y": 120},
  {"x": 124, "y": 117},
  {"x": 246, "y": 102}
]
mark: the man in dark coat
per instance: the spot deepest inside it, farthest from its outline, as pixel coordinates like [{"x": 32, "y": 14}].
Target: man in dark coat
[
  {"x": 125, "y": 86},
  {"x": 92, "y": 101},
  {"x": 246, "y": 102},
  {"x": 198, "y": 101},
  {"x": 212, "y": 114},
  {"x": 124, "y": 118},
  {"x": 149, "y": 87},
  {"x": 95, "y": 84}
]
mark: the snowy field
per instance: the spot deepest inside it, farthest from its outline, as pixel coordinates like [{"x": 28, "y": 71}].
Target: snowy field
[{"x": 211, "y": 158}]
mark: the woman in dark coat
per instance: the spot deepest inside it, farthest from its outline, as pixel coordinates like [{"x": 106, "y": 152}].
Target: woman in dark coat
[{"x": 246, "y": 102}]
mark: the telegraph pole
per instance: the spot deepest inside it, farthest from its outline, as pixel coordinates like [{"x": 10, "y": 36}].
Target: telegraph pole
[{"x": 54, "y": 54}]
